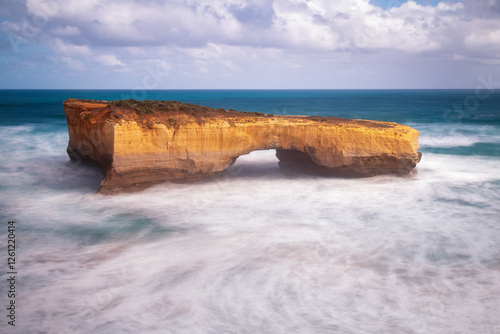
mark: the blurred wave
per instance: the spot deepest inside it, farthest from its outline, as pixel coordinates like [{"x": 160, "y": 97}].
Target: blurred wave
[{"x": 254, "y": 250}]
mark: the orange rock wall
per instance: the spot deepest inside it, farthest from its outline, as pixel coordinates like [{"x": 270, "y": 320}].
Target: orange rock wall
[{"x": 136, "y": 156}]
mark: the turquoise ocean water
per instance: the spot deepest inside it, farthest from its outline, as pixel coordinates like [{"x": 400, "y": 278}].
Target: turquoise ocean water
[{"x": 253, "y": 250}]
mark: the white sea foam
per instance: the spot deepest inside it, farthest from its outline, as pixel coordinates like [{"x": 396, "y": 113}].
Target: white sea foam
[
  {"x": 454, "y": 135},
  {"x": 254, "y": 250},
  {"x": 449, "y": 141}
]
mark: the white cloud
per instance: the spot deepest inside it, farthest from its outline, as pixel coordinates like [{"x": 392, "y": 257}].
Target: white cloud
[
  {"x": 306, "y": 25},
  {"x": 484, "y": 34},
  {"x": 68, "y": 49},
  {"x": 43, "y": 10},
  {"x": 66, "y": 31},
  {"x": 59, "y": 8},
  {"x": 72, "y": 64},
  {"x": 135, "y": 51},
  {"x": 246, "y": 37},
  {"x": 108, "y": 60},
  {"x": 483, "y": 8}
]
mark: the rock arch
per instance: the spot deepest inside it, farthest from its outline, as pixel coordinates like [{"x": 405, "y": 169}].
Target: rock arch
[{"x": 139, "y": 144}]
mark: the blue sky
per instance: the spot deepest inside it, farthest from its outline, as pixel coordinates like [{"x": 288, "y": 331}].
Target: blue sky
[
  {"x": 385, "y": 4},
  {"x": 254, "y": 44}
]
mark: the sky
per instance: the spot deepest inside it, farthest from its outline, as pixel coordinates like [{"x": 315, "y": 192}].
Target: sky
[{"x": 249, "y": 44}]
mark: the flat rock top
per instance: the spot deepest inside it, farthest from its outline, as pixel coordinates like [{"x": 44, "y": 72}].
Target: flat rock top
[{"x": 174, "y": 113}]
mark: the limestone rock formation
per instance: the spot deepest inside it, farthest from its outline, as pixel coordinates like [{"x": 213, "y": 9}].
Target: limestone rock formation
[{"x": 139, "y": 144}]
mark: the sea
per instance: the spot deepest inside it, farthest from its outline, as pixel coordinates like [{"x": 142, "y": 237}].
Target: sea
[{"x": 253, "y": 249}]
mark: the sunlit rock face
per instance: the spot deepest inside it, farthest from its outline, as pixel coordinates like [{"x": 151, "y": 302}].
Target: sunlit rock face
[{"x": 139, "y": 144}]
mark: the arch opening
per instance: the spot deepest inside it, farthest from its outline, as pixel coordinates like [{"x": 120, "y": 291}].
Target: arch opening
[
  {"x": 294, "y": 161},
  {"x": 258, "y": 163},
  {"x": 276, "y": 161}
]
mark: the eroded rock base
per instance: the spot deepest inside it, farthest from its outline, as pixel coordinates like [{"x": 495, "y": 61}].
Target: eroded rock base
[{"x": 297, "y": 162}]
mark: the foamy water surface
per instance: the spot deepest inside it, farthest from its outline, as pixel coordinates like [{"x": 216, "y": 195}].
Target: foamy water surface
[{"x": 254, "y": 250}]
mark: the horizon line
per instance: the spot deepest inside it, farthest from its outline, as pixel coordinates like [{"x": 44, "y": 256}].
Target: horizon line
[{"x": 235, "y": 89}]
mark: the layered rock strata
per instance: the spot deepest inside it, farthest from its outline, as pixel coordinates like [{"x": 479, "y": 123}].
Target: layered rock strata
[{"x": 139, "y": 144}]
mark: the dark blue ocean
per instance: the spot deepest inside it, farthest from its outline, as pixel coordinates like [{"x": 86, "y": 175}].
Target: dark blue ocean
[{"x": 253, "y": 250}]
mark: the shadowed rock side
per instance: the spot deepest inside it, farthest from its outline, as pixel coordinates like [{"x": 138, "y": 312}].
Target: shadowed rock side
[{"x": 139, "y": 144}]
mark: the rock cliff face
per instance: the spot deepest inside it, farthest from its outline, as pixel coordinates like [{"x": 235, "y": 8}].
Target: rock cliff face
[{"x": 139, "y": 144}]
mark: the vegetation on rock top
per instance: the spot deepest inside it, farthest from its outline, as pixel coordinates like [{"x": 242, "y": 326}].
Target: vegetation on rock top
[
  {"x": 175, "y": 113},
  {"x": 152, "y": 106}
]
